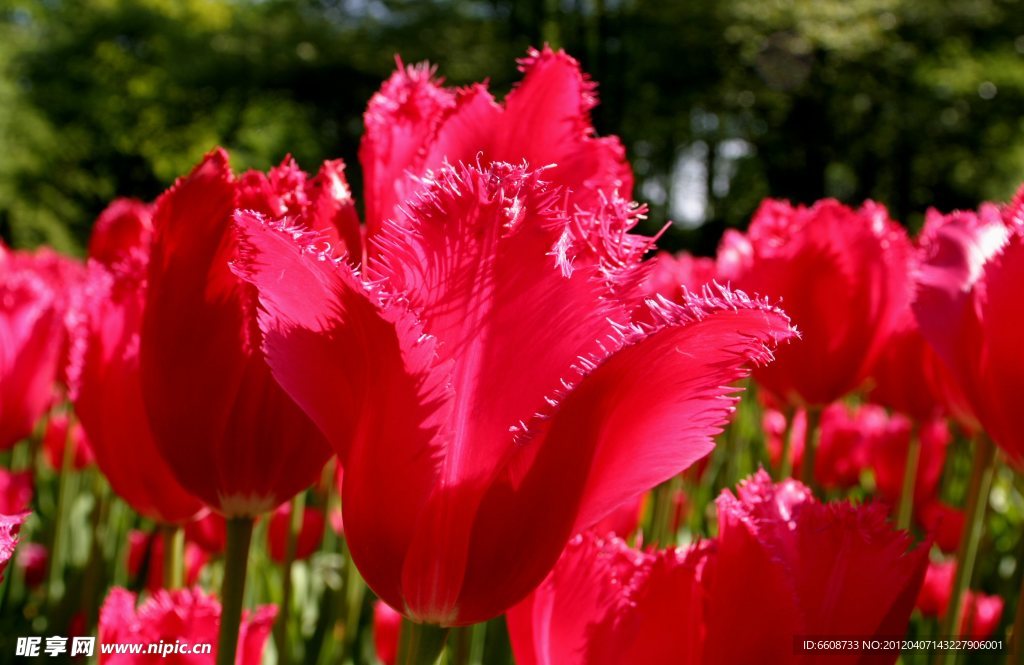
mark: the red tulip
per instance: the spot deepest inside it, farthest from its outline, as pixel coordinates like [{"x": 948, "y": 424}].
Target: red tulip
[
  {"x": 783, "y": 566},
  {"x": 387, "y": 627},
  {"x": 106, "y": 385},
  {"x": 208, "y": 532},
  {"x": 843, "y": 277},
  {"x": 9, "y": 526},
  {"x": 16, "y": 490},
  {"x": 146, "y": 552},
  {"x": 415, "y": 126},
  {"x": 31, "y": 343},
  {"x": 982, "y": 612},
  {"x": 474, "y": 362},
  {"x": 309, "y": 537},
  {"x": 182, "y": 616},
  {"x": 846, "y": 440},
  {"x": 887, "y": 457},
  {"x": 670, "y": 274},
  {"x": 33, "y": 559},
  {"x": 809, "y": 569},
  {"x": 125, "y": 225},
  {"x": 907, "y": 376},
  {"x": 968, "y": 307},
  {"x": 943, "y": 523},
  {"x": 56, "y": 437},
  {"x": 229, "y": 433},
  {"x": 606, "y": 602},
  {"x": 843, "y": 449}
]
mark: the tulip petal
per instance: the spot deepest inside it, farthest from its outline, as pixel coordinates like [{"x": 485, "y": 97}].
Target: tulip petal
[
  {"x": 635, "y": 416},
  {"x": 548, "y": 122},
  {"x": 1002, "y": 320},
  {"x": 335, "y": 347},
  {"x": 400, "y": 119},
  {"x": 108, "y": 395},
  {"x": 479, "y": 264},
  {"x": 661, "y": 399}
]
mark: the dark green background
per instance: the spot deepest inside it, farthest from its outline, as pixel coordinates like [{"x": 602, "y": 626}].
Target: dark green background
[{"x": 911, "y": 102}]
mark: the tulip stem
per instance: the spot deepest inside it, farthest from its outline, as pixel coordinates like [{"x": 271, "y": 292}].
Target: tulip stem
[
  {"x": 232, "y": 590},
  {"x": 420, "y": 643},
  {"x": 298, "y": 509},
  {"x": 977, "y": 500},
  {"x": 906, "y": 507},
  {"x": 460, "y": 646},
  {"x": 354, "y": 592},
  {"x": 810, "y": 444},
  {"x": 174, "y": 556},
  {"x": 55, "y": 583}
]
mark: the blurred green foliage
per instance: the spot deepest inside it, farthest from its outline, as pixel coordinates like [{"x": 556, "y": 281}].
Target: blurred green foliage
[{"x": 719, "y": 102}]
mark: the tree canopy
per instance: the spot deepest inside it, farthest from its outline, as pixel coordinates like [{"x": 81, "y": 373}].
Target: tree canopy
[{"x": 719, "y": 102}]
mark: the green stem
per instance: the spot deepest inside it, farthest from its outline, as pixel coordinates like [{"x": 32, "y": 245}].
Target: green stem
[
  {"x": 355, "y": 591},
  {"x": 906, "y": 507},
  {"x": 298, "y": 509},
  {"x": 55, "y": 581},
  {"x": 810, "y": 446},
  {"x": 662, "y": 531},
  {"x": 420, "y": 643},
  {"x": 460, "y": 645},
  {"x": 95, "y": 580},
  {"x": 232, "y": 591},
  {"x": 174, "y": 556},
  {"x": 977, "y": 500}
]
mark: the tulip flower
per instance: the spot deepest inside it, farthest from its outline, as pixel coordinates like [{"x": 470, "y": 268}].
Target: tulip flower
[
  {"x": 482, "y": 354},
  {"x": 32, "y": 559},
  {"x": 606, "y": 602},
  {"x": 943, "y": 523},
  {"x": 16, "y": 491},
  {"x": 185, "y": 616},
  {"x": 908, "y": 376},
  {"x": 226, "y": 429},
  {"x": 968, "y": 309},
  {"x": 671, "y": 274},
  {"x": 387, "y": 624},
  {"x": 843, "y": 277},
  {"x": 808, "y": 569},
  {"x": 825, "y": 569},
  {"x": 124, "y": 226},
  {"x": 9, "y": 526},
  {"x": 105, "y": 382},
  {"x": 228, "y": 432},
  {"x": 887, "y": 457},
  {"x": 415, "y": 126},
  {"x": 59, "y": 434},
  {"x": 31, "y": 343},
  {"x": 982, "y": 612},
  {"x": 208, "y": 532},
  {"x": 309, "y": 536}
]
